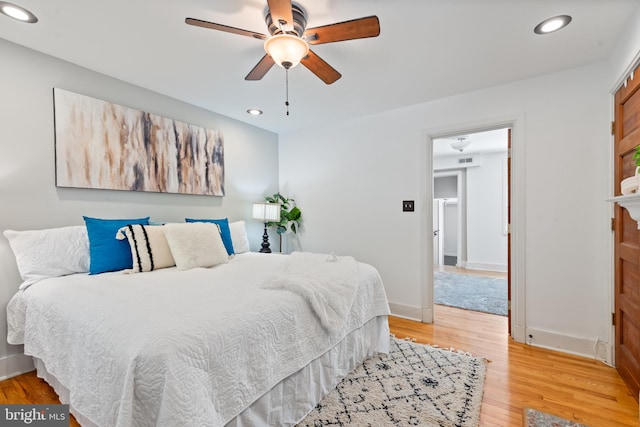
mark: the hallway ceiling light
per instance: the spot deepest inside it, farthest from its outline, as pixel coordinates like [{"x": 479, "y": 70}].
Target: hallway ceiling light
[
  {"x": 552, "y": 24},
  {"x": 17, "y": 12},
  {"x": 461, "y": 143}
]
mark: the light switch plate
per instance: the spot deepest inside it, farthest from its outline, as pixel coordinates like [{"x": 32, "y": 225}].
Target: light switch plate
[{"x": 407, "y": 206}]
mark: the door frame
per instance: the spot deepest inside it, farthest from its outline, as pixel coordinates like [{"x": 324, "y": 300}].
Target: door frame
[
  {"x": 517, "y": 211},
  {"x": 462, "y": 203}
]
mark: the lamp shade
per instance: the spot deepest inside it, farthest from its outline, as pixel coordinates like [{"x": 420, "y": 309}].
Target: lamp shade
[
  {"x": 286, "y": 50},
  {"x": 266, "y": 212}
]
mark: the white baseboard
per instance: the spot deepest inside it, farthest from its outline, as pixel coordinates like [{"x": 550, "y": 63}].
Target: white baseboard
[
  {"x": 14, "y": 365},
  {"x": 580, "y": 346},
  {"x": 406, "y": 311},
  {"x": 487, "y": 266},
  {"x": 427, "y": 315},
  {"x": 519, "y": 333}
]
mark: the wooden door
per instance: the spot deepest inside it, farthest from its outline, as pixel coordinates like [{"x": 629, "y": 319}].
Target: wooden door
[
  {"x": 509, "y": 231},
  {"x": 627, "y": 238}
]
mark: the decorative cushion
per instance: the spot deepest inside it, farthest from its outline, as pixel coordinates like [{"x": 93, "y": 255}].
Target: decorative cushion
[
  {"x": 149, "y": 248},
  {"x": 107, "y": 252},
  {"x": 50, "y": 252},
  {"x": 239, "y": 237},
  {"x": 196, "y": 244},
  {"x": 223, "y": 223}
]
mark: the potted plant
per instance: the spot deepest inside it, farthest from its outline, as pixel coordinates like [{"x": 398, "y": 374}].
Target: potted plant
[
  {"x": 290, "y": 215},
  {"x": 631, "y": 184}
]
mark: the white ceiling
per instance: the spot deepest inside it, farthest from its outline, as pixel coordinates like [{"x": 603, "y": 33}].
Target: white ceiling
[{"x": 427, "y": 49}]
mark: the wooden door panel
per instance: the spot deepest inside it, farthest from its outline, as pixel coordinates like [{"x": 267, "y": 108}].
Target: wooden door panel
[
  {"x": 629, "y": 141},
  {"x": 627, "y": 238},
  {"x": 628, "y": 164},
  {"x": 631, "y": 115},
  {"x": 509, "y": 231},
  {"x": 630, "y": 278},
  {"x": 628, "y": 230},
  {"x": 630, "y": 338}
]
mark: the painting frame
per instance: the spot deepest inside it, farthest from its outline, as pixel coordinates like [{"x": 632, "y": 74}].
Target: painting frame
[{"x": 102, "y": 145}]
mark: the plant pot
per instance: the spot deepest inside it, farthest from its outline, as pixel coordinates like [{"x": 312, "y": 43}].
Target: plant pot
[{"x": 630, "y": 185}]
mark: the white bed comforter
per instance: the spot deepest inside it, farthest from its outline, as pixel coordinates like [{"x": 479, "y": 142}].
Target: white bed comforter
[
  {"x": 176, "y": 347},
  {"x": 328, "y": 283}
]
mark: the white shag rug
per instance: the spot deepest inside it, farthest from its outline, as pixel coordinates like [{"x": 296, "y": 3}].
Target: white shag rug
[{"x": 413, "y": 385}]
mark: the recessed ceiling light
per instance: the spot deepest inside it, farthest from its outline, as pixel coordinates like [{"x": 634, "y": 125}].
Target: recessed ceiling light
[
  {"x": 254, "y": 111},
  {"x": 16, "y": 12},
  {"x": 552, "y": 24}
]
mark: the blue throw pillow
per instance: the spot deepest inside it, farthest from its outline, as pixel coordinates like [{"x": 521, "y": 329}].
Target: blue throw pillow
[
  {"x": 106, "y": 252},
  {"x": 225, "y": 231}
]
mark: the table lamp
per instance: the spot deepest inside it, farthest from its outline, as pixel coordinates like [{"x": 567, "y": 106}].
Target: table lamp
[{"x": 266, "y": 212}]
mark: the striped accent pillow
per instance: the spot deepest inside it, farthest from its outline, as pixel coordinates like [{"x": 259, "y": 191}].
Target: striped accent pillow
[{"x": 149, "y": 248}]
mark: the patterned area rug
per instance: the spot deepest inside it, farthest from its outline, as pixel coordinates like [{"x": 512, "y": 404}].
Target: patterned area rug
[
  {"x": 535, "y": 418},
  {"x": 414, "y": 384},
  {"x": 486, "y": 294}
]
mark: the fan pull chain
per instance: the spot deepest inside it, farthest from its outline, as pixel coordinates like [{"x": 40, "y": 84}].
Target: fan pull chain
[{"x": 286, "y": 102}]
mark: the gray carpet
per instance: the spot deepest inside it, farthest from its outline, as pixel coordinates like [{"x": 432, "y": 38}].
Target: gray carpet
[
  {"x": 486, "y": 294},
  {"x": 414, "y": 384},
  {"x": 535, "y": 418}
]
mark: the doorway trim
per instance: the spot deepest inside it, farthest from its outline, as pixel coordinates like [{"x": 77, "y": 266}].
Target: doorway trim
[
  {"x": 462, "y": 203},
  {"x": 518, "y": 265}
]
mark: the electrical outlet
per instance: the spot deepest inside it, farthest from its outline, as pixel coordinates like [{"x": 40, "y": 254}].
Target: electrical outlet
[{"x": 407, "y": 206}]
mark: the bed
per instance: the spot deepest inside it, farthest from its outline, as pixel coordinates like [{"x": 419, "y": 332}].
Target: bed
[{"x": 235, "y": 344}]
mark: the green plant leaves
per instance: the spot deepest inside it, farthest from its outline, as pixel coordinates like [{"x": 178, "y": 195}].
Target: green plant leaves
[{"x": 290, "y": 215}]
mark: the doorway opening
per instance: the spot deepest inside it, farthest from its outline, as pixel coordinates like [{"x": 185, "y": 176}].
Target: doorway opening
[{"x": 471, "y": 221}]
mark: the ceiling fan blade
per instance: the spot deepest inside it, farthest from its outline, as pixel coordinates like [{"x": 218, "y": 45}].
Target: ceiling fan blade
[
  {"x": 281, "y": 12},
  {"x": 225, "y": 28},
  {"x": 261, "y": 68},
  {"x": 348, "y": 30},
  {"x": 320, "y": 68}
]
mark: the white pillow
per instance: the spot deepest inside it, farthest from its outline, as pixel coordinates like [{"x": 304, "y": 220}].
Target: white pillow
[
  {"x": 149, "y": 248},
  {"x": 195, "y": 244},
  {"x": 50, "y": 252},
  {"x": 239, "y": 237}
]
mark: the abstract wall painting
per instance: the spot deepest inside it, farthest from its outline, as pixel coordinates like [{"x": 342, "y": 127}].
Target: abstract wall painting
[{"x": 108, "y": 146}]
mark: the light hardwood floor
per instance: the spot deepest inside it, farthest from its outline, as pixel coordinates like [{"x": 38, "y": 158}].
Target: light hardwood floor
[
  {"x": 460, "y": 270},
  {"x": 518, "y": 375}
]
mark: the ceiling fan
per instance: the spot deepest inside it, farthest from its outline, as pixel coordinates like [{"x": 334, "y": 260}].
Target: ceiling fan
[{"x": 289, "y": 40}]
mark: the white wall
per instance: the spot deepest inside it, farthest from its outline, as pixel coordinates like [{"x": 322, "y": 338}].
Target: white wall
[
  {"x": 352, "y": 177},
  {"x": 486, "y": 238},
  {"x": 29, "y": 198},
  {"x": 626, "y": 55}
]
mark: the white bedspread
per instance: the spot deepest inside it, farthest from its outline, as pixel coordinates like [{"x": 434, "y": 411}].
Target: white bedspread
[
  {"x": 328, "y": 283},
  {"x": 176, "y": 348}
]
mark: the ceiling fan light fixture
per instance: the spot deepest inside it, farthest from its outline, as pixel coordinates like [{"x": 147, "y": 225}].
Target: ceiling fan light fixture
[{"x": 286, "y": 50}]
